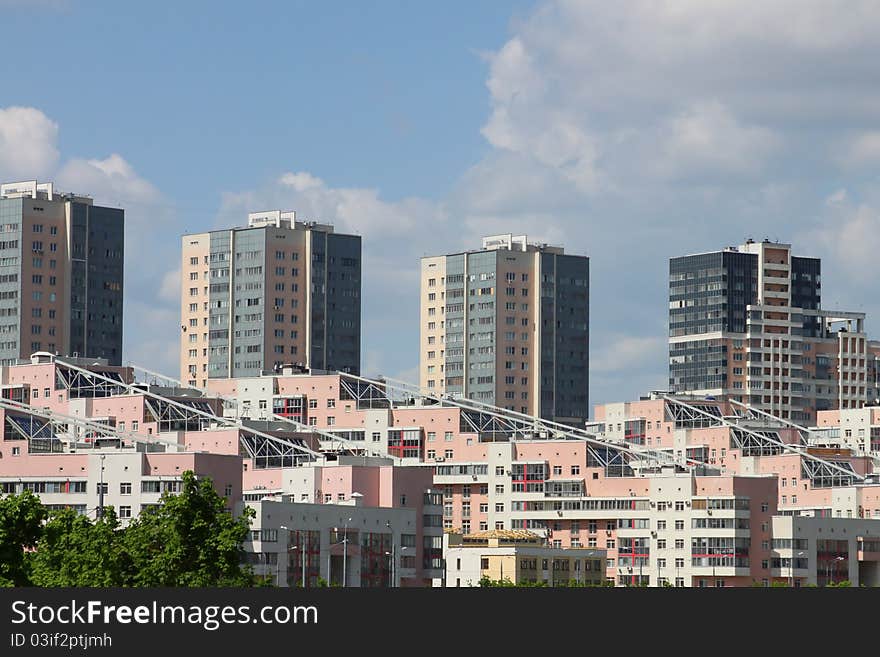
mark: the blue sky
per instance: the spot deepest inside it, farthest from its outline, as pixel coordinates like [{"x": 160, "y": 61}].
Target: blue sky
[
  {"x": 629, "y": 132},
  {"x": 204, "y": 96}
]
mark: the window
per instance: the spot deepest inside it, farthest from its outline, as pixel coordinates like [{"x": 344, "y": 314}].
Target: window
[
  {"x": 447, "y": 437},
  {"x": 679, "y": 544},
  {"x": 661, "y": 543},
  {"x": 125, "y": 512},
  {"x": 125, "y": 488},
  {"x": 448, "y": 453},
  {"x": 575, "y": 469},
  {"x": 679, "y": 505},
  {"x": 432, "y": 436},
  {"x": 331, "y": 403},
  {"x": 679, "y": 525}
]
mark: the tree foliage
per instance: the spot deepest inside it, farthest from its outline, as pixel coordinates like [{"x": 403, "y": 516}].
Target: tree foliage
[
  {"x": 189, "y": 539},
  {"x": 21, "y": 525},
  {"x": 74, "y": 551}
]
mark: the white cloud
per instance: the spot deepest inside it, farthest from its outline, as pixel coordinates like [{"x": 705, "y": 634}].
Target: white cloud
[
  {"x": 28, "y": 147},
  {"x": 112, "y": 179},
  {"x": 861, "y": 150},
  {"x": 840, "y": 196},
  {"x": 849, "y": 238},
  {"x": 708, "y": 138},
  {"x": 169, "y": 290},
  {"x": 627, "y": 352},
  {"x": 612, "y": 94}
]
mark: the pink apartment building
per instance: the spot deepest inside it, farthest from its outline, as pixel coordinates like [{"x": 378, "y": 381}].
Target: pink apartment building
[{"x": 712, "y": 524}]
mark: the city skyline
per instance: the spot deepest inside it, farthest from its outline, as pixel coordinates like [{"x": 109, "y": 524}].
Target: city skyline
[{"x": 495, "y": 142}]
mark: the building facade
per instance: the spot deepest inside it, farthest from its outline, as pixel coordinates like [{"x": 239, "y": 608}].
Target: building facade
[
  {"x": 348, "y": 544},
  {"x": 61, "y": 274},
  {"x": 276, "y": 291},
  {"x": 747, "y": 322},
  {"x": 518, "y": 556},
  {"x": 709, "y": 523},
  {"x": 508, "y": 325}
]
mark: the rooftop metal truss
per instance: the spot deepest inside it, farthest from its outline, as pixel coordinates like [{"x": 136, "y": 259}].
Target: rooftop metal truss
[
  {"x": 764, "y": 438},
  {"x": 501, "y": 423},
  {"x": 82, "y": 383},
  {"x": 829, "y": 474},
  {"x": 756, "y": 443},
  {"x": 273, "y": 455},
  {"x": 183, "y": 415},
  {"x": 186, "y": 413},
  {"x": 805, "y": 432},
  {"x": 693, "y": 416},
  {"x": 50, "y": 431},
  {"x": 366, "y": 393}
]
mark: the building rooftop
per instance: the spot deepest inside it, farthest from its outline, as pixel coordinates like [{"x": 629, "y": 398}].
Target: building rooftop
[
  {"x": 503, "y": 534},
  {"x": 38, "y": 190},
  {"x": 284, "y": 219}
]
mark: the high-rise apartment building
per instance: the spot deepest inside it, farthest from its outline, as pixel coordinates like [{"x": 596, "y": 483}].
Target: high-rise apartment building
[
  {"x": 508, "y": 325},
  {"x": 61, "y": 274},
  {"x": 746, "y": 322},
  {"x": 276, "y": 291}
]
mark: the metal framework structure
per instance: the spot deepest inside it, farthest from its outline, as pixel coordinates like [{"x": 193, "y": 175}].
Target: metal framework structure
[
  {"x": 756, "y": 443},
  {"x": 333, "y": 442},
  {"x": 367, "y": 393},
  {"x": 686, "y": 416},
  {"x": 154, "y": 378},
  {"x": 82, "y": 383},
  {"x": 190, "y": 414},
  {"x": 817, "y": 464},
  {"x": 758, "y": 414},
  {"x": 483, "y": 418},
  {"x": 196, "y": 414},
  {"x": 41, "y": 426},
  {"x": 823, "y": 475}
]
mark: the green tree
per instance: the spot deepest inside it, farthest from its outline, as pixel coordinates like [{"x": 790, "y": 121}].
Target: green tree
[
  {"x": 74, "y": 551},
  {"x": 21, "y": 525},
  {"x": 189, "y": 540}
]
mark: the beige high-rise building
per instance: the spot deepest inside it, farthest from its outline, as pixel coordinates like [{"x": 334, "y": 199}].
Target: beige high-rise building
[
  {"x": 61, "y": 274},
  {"x": 274, "y": 292},
  {"x": 508, "y": 325}
]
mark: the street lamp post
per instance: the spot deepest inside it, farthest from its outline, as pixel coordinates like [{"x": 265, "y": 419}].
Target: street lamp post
[
  {"x": 302, "y": 553},
  {"x": 828, "y": 570},
  {"x": 101, "y": 489},
  {"x": 791, "y": 570},
  {"x": 393, "y": 555},
  {"x": 836, "y": 560},
  {"x": 345, "y": 551}
]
